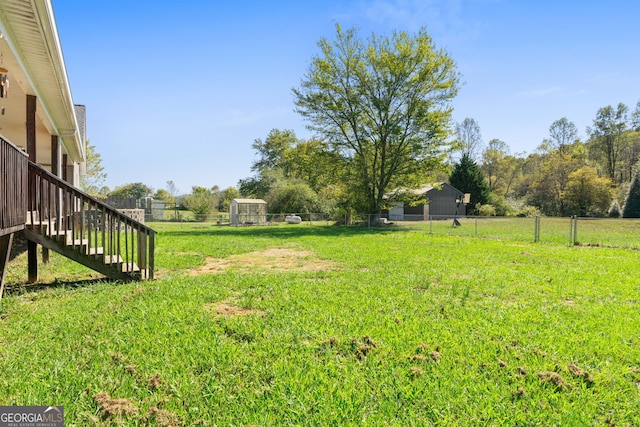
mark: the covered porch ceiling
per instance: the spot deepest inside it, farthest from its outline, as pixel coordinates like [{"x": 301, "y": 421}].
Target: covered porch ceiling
[{"x": 30, "y": 50}]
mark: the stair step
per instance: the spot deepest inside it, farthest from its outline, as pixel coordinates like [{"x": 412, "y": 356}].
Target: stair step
[
  {"x": 95, "y": 251},
  {"x": 37, "y": 220},
  {"x": 43, "y": 228},
  {"x": 58, "y": 234},
  {"x": 130, "y": 267},
  {"x": 113, "y": 259},
  {"x": 78, "y": 242},
  {"x": 36, "y": 224}
]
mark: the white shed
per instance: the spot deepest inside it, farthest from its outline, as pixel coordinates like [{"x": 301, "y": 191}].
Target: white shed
[{"x": 248, "y": 212}]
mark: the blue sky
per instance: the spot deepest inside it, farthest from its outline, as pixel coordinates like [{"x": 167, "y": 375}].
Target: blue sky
[{"x": 180, "y": 90}]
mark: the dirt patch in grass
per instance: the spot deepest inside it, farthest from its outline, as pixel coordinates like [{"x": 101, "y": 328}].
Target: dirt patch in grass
[
  {"x": 228, "y": 307},
  {"x": 161, "y": 417},
  {"x": 553, "y": 378},
  {"x": 580, "y": 373},
  {"x": 154, "y": 382},
  {"x": 272, "y": 259},
  {"x": 114, "y": 407},
  {"x": 362, "y": 347}
]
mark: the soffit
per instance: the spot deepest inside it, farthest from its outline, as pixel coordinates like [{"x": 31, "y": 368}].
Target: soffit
[{"x": 29, "y": 30}]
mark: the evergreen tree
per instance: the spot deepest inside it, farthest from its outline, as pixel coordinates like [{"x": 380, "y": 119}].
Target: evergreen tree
[
  {"x": 468, "y": 178},
  {"x": 631, "y": 207}
]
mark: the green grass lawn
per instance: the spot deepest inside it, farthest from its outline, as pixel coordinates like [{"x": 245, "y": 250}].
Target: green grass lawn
[{"x": 323, "y": 325}]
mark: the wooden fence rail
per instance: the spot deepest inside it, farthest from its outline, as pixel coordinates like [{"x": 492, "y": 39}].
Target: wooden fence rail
[{"x": 13, "y": 187}]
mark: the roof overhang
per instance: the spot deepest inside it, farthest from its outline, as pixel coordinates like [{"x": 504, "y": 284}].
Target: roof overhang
[{"x": 36, "y": 64}]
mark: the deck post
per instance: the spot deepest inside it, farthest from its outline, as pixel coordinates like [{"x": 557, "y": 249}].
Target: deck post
[
  {"x": 55, "y": 169},
  {"x": 32, "y": 258},
  {"x": 45, "y": 255},
  {"x": 31, "y": 127},
  {"x": 64, "y": 168},
  {"x": 31, "y": 151},
  {"x": 55, "y": 155},
  {"x": 142, "y": 250},
  {"x": 5, "y": 251}
]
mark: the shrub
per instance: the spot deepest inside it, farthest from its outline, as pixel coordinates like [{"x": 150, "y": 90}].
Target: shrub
[
  {"x": 526, "y": 211},
  {"x": 500, "y": 204},
  {"x": 486, "y": 210},
  {"x": 614, "y": 210},
  {"x": 519, "y": 208}
]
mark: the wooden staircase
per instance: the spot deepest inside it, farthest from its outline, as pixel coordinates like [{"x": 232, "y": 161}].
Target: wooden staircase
[{"x": 65, "y": 220}]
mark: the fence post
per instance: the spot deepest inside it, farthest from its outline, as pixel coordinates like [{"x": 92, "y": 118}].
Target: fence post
[
  {"x": 573, "y": 230},
  {"x": 476, "y": 222},
  {"x": 570, "y": 230},
  {"x": 536, "y": 229}
]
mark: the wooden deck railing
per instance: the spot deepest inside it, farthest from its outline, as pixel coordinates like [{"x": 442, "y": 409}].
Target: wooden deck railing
[
  {"x": 88, "y": 226},
  {"x": 13, "y": 187}
]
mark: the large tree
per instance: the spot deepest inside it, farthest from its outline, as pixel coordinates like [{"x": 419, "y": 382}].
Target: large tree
[
  {"x": 609, "y": 137},
  {"x": 499, "y": 167},
  {"x": 272, "y": 151},
  {"x": 635, "y": 118},
  {"x": 562, "y": 133},
  {"x": 587, "y": 194},
  {"x": 384, "y": 105},
  {"x": 549, "y": 180},
  {"x": 313, "y": 162},
  {"x": 468, "y": 138},
  {"x": 282, "y": 156}
]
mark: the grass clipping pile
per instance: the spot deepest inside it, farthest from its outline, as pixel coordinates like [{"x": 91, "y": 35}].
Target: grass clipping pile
[{"x": 272, "y": 259}]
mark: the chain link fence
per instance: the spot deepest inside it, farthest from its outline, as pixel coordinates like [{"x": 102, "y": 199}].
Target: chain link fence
[{"x": 610, "y": 232}]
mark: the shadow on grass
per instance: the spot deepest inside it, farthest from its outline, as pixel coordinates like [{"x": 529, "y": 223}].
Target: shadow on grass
[
  {"x": 17, "y": 289},
  {"x": 278, "y": 231},
  {"x": 18, "y": 246}
]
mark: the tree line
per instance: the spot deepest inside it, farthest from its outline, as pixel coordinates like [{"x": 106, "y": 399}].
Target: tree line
[
  {"x": 564, "y": 176},
  {"x": 380, "y": 109}
]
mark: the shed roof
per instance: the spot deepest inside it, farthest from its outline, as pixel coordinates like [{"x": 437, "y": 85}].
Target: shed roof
[
  {"x": 422, "y": 190},
  {"x": 247, "y": 201}
]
